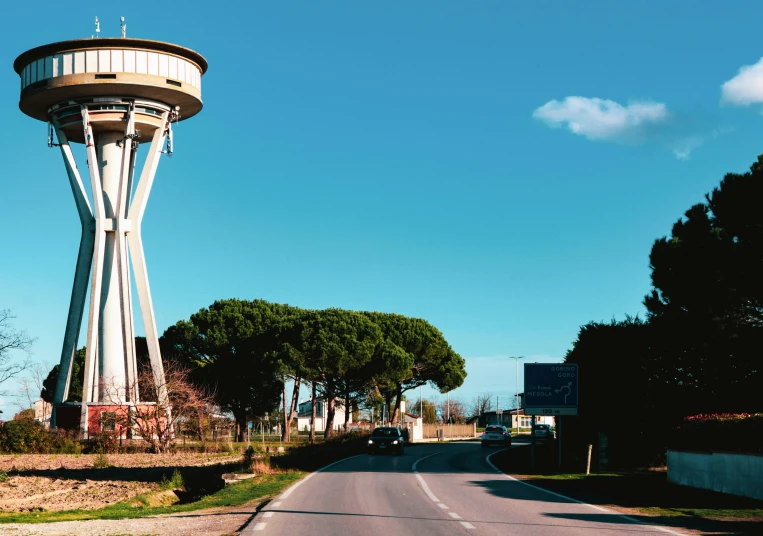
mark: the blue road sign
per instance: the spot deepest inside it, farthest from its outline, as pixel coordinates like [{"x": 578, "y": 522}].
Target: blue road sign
[
  {"x": 438, "y": 412},
  {"x": 551, "y": 385}
]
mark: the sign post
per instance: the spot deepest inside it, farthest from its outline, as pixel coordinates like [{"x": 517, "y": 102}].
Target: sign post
[{"x": 551, "y": 389}]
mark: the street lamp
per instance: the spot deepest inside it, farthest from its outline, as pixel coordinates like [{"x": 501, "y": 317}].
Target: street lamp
[{"x": 516, "y": 388}]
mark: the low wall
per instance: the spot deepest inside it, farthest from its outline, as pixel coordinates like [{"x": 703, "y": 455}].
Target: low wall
[
  {"x": 432, "y": 431},
  {"x": 727, "y": 472}
]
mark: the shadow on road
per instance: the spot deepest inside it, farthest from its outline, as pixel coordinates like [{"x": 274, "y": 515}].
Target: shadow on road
[
  {"x": 715, "y": 527},
  {"x": 634, "y": 529},
  {"x": 511, "y": 489}
]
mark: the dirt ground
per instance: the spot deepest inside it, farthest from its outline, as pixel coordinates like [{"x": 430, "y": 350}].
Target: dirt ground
[{"x": 68, "y": 482}]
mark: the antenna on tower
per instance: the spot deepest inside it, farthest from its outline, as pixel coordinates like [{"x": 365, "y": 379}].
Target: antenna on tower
[
  {"x": 97, "y": 27},
  {"x": 123, "y": 26}
]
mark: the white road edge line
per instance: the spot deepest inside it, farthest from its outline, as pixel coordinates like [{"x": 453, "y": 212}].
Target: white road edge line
[
  {"x": 260, "y": 526},
  {"x": 467, "y": 525},
  {"x": 442, "y": 506},
  {"x": 276, "y": 504},
  {"x": 599, "y": 508},
  {"x": 454, "y": 515},
  {"x": 294, "y": 486},
  {"x": 268, "y": 514},
  {"x": 421, "y": 480}
]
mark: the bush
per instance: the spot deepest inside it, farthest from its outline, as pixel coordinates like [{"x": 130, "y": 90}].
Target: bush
[
  {"x": 720, "y": 432},
  {"x": 313, "y": 456},
  {"x": 25, "y": 436},
  {"x": 101, "y": 461},
  {"x": 176, "y": 482},
  {"x": 66, "y": 442},
  {"x": 3, "y": 476},
  {"x": 101, "y": 443}
]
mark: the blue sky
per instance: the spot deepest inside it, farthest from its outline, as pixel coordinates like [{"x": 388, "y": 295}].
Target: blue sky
[{"x": 499, "y": 168}]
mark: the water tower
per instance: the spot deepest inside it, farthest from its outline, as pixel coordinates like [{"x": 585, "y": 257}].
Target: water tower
[{"x": 111, "y": 95}]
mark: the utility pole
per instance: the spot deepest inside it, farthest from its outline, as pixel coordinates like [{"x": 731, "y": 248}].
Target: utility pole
[
  {"x": 497, "y": 407},
  {"x": 449, "y": 425},
  {"x": 516, "y": 384}
]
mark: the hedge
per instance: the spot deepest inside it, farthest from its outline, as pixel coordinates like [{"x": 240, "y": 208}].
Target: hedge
[{"x": 721, "y": 432}]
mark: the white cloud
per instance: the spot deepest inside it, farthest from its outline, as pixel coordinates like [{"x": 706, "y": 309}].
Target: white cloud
[
  {"x": 602, "y": 119},
  {"x": 683, "y": 147},
  {"x": 746, "y": 87}
]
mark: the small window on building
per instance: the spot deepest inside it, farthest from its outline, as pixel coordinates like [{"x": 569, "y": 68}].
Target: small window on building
[{"x": 108, "y": 421}]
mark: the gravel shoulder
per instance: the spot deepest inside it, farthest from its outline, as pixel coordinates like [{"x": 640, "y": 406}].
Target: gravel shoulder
[{"x": 212, "y": 522}]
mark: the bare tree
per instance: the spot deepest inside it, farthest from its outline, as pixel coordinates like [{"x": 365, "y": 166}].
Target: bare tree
[
  {"x": 153, "y": 419},
  {"x": 482, "y": 404},
  {"x": 12, "y": 342},
  {"x": 30, "y": 387},
  {"x": 455, "y": 409}
]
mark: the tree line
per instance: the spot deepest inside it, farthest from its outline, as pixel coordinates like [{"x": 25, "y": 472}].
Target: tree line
[
  {"x": 243, "y": 352},
  {"x": 699, "y": 348}
]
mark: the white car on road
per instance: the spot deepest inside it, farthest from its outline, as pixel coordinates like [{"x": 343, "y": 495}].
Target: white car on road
[{"x": 495, "y": 434}]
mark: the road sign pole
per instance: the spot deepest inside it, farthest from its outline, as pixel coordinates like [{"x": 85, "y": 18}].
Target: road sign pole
[
  {"x": 532, "y": 442},
  {"x": 516, "y": 388},
  {"x": 559, "y": 442}
]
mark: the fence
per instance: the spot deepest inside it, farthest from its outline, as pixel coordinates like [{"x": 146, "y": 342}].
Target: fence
[{"x": 432, "y": 431}]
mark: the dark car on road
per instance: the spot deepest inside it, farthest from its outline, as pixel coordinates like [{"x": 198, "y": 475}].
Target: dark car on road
[
  {"x": 496, "y": 435},
  {"x": 543, "y": 433},
  {"x": 386, "y": 439}
]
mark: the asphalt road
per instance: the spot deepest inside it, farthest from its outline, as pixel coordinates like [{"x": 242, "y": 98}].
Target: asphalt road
[{"x": 434, "y": 489}]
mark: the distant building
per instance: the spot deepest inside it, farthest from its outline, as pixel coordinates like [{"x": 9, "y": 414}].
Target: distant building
[
  {"x": 510, "y": 418},
  {"x": 305, "y": 411},
  {"x": 42, "y": 412}
]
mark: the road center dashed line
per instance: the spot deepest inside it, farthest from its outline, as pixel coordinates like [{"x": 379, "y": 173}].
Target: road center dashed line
[
  {"x": 260, "y": 526},
  {"x": 426, "y": 489},
  {"x": 276, "y": 504},
  {"x": 268, "y": 514},
  {"x": 423, "y": 484},
  {"x": 432, "y": 496}
]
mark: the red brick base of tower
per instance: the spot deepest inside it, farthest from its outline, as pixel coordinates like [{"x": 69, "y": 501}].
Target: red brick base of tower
[{"x": 111, "y": 418}]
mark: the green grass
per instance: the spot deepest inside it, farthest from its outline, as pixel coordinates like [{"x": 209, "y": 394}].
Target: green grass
[
  {"x": 175, "y": 482},
  {"x": 573, "y": 476},
  {"x": 233, "y": 495},
  {"x": 704, "y": 512}
]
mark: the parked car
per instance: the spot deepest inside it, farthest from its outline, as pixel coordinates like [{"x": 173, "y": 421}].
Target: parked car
[
  {"x": 543, "y": 433},
  {"x": 496, "y": 435},
  {"x": 386, "y": 439}
]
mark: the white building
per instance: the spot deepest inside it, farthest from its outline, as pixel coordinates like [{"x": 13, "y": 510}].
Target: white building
[
  {"x": 305, "y": 411},
  {"x": 42, "y": 412}
]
